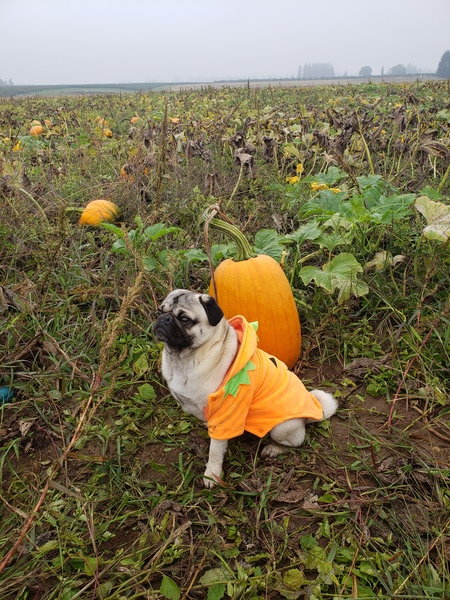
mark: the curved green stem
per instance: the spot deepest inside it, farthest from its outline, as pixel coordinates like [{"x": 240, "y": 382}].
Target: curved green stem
[{"x": 243, "y": 249}]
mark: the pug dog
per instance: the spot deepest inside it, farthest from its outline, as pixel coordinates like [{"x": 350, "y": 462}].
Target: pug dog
[{"x": 215, "y": 370}]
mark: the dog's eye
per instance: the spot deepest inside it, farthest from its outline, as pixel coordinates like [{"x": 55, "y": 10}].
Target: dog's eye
[{"x": 184, "y": 320}]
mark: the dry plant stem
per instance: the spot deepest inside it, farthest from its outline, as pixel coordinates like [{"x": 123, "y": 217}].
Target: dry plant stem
[
  {"x": 25, "y": 528},
  {"x": 193, "y": 579},
  {"x": 236, "y": 186},
  {"x": 161, "y": 161},
  {"x": 214, "y": 210},
  {"x": 108, "y": 339},
  {"x": 444, "y": 179},
  {"x": 208, "y": 216}
]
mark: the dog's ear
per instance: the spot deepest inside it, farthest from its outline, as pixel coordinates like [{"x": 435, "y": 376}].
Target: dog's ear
[{"x": 212, "y": 309}]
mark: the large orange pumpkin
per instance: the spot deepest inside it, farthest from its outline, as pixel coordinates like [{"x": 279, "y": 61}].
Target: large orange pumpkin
[
  {"x": 256, "y": 287},
  {"x": 99, "y": 211}
]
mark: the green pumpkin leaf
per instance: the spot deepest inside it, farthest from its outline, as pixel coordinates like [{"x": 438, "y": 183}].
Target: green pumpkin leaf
[
  {"x": 308, "y": 231},
  {"x": 241, "y": 378},
  {"x": 158, "y": 230},
  {"x": 340, "y": 273},
  {"x": 268, "y": 241}
]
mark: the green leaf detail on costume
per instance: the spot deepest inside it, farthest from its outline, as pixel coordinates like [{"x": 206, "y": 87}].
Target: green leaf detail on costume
[
  {"x": 254, "y": 325},
  {"x": 241, "y": 378}
]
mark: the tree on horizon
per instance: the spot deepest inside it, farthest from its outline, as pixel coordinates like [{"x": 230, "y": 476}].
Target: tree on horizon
[
  {"x": 365, "y": 71},
  {"x": 443, "y": 69}
]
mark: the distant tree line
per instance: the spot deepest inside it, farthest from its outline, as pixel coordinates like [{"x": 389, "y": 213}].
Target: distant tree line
[
  {"x": 316, "y": 71},
  {"x": 10, "y": 82},
  {"x": 326, "y": 70}
]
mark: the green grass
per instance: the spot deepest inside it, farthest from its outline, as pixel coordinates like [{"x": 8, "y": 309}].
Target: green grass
[{"x": 101, "y": 493}]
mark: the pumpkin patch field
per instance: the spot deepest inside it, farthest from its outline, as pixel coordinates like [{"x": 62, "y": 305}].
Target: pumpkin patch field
[{"x": 323, "y": 213}]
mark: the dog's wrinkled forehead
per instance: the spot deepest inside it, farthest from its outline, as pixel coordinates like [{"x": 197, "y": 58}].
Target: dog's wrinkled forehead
[
  {"x": 192, "y": 304},
  {"x": 180, "y": 299}
]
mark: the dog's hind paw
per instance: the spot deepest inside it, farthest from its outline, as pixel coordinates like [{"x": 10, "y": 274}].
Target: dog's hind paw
[{"x": 272, "y": 451}]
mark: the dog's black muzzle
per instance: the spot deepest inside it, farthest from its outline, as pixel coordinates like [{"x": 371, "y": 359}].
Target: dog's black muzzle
[{"x": 169, "y": 330}]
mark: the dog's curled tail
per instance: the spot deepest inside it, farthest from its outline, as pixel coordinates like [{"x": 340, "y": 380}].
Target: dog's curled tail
[{"x": 328, "y": 402}]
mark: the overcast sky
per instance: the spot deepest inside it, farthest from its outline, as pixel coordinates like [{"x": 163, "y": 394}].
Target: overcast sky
[{"x": 111, "y": 41}]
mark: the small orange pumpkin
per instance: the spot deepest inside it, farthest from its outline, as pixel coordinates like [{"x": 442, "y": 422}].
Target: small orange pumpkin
[
  {"x": 126, "y": 172},
  {"x": 36, "y": 130},
  {"x": 255, "y": 286},
  {"x": 99, "y": 211}
]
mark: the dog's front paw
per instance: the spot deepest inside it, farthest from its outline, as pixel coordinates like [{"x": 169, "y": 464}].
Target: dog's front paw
[
  {"x": 210, "y": 479},
  {"x": 272, "y": 451}
]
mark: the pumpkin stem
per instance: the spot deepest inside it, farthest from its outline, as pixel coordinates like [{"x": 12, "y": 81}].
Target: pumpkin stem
[{"x": 243, "y": 249}]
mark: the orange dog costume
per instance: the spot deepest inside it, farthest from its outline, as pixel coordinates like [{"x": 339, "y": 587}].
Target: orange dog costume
[{"x": 258, "y": 392}]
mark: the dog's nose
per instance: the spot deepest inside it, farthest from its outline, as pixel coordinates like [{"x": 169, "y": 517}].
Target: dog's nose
[{"x": 165, "y": 318}]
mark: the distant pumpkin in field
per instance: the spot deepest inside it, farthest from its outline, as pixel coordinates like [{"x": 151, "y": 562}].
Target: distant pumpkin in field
[
  {"x": 134, "y": 119},
  {"x": 107, "y": 133},
  {"x": 99, "y": 211},
  {"x": 36, "y": 130},
  {"x": 126, "y": 172}
]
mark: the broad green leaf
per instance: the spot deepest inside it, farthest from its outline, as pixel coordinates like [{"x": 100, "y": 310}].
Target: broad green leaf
[
  {"x": 291, "y": 150},
  {"x": 195, "y": 255},
  {"x": 169, "y": 589},
  {"x": 90, "y": 565},
  {"x": 268, "y": 241},
  {"x": 370, "y": 181},
  {"x": 114, "y": 229},
  {"x": 437, "y": 216},
  {"x": 327, "y": 204},
  {"x": 343, "y": 265},
  {"x": 323, "y": 279},
  {"x": 332, "y": 176},
  {"x": 140, "y": 366},
  {"x": 216, "y": 591},
  {"x": 332, "y": 240},
  {"x": 308, "y": 231},
  {"x": 340, "y": 273},
  {"x": 146, "y": 391},
  {"x": 139, "y": 222},
  {"x": 217, "y": 575},
  {"x": 150, "y": 263},
  {"x": 119, "y": 246},
  {"x": 221, "y": 252},
  {"x": 351, "y": 287},
  {"x": 294, "y": 578},
  {"x": 392, "y": 208},
  {"x": 48, "y": 546},
  {"x": 158, "y": 230}
]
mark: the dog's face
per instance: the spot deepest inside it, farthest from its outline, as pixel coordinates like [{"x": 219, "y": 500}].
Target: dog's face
[{"x": 187, "y": 319}]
